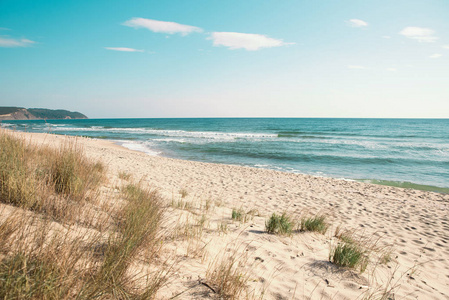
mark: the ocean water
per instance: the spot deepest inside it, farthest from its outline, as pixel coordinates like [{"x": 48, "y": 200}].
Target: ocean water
[{"x": 412, "y": 153}]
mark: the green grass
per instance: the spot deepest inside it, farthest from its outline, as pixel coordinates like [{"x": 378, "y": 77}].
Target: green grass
[
  {"x": 350, "y": 255},
  {"x": 317, "y": 224},
  {"x": 279, "y": 224},
  {"x": 237, "y": 214}
]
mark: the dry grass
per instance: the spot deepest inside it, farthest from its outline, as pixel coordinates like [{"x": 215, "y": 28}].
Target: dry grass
[
  {"x": 183, "y": 192},
  {"x": 124, "y": 175},
  {"x": 58, "y": 241},
  {"x": 228, "y": 274},
  {"x": 46, "y": 180}
]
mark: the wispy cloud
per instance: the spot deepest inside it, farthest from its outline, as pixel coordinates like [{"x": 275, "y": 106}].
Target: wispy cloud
[
  {"x": 392, "y": 69},
  {"x": 436, "y": 55},
  {"x": 357, "y": 23},
  {"x": 11, "y": 43},
  {"x": 446, "y": 47},
  {"x": 420, "y": 34},
  {"x": 356, "y": 67},
  {"x": 247, "y": 41},
  {"x": 161, "y": 26},
  {"x": 386, "y": 37},
  {"x": 123, "y": 49}
]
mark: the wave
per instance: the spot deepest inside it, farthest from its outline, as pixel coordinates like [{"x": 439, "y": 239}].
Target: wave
[
  {"x": 136, "y": 146},
  {"x": 175, "y": 133}
]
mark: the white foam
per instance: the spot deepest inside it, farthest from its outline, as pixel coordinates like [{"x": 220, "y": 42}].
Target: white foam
[{"x": 138, "y": 147}]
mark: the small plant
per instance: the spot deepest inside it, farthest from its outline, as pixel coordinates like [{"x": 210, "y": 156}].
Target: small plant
[
  {"x": 227, "y": 275},
  {"x": 124, "y": 175},
  {"x": 317, "y": 223},
  {"x": 241, "y": 216},
  {"x": 237, "y": 214},
  {"x": 349, "y": 255},
  {"x": 386, "y": 257},
  {"x": 207, "y": 205},
  {"x": 183, "y": 192},
  {"x": 181, "y": 204},
  {"x": 279, "y": 224},
  {"x": 223, "y": 228}
]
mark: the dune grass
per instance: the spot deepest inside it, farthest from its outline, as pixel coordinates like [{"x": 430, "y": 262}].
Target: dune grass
[
  {"x": 138, "y": 232},
  {"x": 317, "y": 224},
  {"x": 56, "y": 242},
  {"x": 228, "y": 276},
  {"x": 350, "y": 255},
  {"x": 279, "y": 224},
  {"x": 42, "y": 179}
]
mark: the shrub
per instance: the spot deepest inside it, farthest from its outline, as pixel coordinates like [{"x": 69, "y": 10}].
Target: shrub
[{"x": 279, "y": 224}]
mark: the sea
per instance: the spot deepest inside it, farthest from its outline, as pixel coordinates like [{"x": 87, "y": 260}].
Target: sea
[{"x": 409, "y": 153}]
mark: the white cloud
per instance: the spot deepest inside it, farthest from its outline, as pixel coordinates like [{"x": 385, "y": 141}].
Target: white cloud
[
  {"x": 248, "y": 41},
  {"x": 446, "y": 47},
  {"x": 386, "y": 37},
  {"x": 123, "y": 49},
  {"x": 356, "y": 67},
  {"x": 392, "y": 69},
  {"x": 419, "y": 33},
  {"x": 161, "y": 26},
  {"x": 357, "y": 23},
  {"x": 436, "y": 55},
  {"x": 10, "y": 43}
]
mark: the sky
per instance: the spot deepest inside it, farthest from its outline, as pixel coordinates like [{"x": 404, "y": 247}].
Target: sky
[{"x": 233, "y": 58}]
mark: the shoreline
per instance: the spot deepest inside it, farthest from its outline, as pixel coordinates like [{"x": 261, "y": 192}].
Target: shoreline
[
  {"x": 391, "y": 183},
  {"x": 413, "y": 223},
  {"x": 152, "y": 152},
  {"x": 376, "y": 166}
]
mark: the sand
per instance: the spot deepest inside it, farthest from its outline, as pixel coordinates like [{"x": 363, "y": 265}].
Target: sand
[{"x": 412, "y": 225}]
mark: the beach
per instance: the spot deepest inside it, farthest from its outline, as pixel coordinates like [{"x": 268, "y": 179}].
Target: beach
[{"x": 411, "y": 225}]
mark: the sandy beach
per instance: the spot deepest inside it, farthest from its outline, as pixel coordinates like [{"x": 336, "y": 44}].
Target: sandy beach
[{"x": 411, "y": 225}]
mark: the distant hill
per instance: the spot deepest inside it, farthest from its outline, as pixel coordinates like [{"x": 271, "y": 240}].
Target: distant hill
[{"x": 21, "y": 113}]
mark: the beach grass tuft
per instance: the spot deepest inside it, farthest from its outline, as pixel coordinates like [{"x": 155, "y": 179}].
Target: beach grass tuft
[
  {"x": 237, "y": 214},
  {"x": 317, "y": 224},
  {"x": 350, "y": 255},
  {"x": 183, "y": 192},
  {"x": 279, "y": 224}
]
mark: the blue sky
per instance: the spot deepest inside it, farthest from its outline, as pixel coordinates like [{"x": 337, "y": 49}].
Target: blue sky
[{"x": 215, "y": 58}]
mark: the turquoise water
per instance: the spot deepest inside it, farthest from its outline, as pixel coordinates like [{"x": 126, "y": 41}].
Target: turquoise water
[{"x": 412, "y": 153}]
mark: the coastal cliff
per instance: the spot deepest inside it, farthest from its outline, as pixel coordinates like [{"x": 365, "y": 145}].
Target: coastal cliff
[{"x": 20, "y": 113}]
